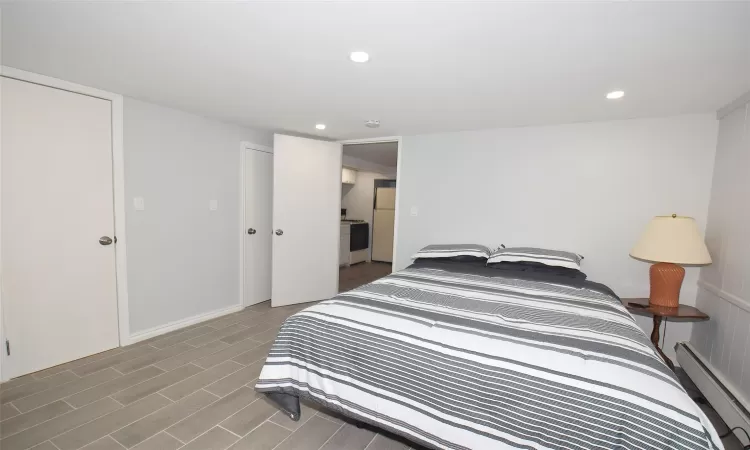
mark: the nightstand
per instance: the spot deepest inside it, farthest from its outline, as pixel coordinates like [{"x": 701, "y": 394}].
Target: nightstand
[{"x": 683, "y": 313}]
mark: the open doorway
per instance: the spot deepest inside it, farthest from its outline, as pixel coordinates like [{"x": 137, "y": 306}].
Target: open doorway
[{"x": 368, "y": 211}]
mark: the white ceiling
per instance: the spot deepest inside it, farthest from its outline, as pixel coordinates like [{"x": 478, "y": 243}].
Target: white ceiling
[
  {"x": 435, "y": 66},
  {"x": 383, "y": 153}
]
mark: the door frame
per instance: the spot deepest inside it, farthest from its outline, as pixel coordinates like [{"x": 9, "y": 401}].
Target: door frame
[
  {"x": 379, "y": 140},
  {"x": 118, "y": 186},
  {"x": 244, "y": 147}
]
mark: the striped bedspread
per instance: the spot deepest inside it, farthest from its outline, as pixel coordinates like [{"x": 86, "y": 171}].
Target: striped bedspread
[{"x": 459, "y": 357}]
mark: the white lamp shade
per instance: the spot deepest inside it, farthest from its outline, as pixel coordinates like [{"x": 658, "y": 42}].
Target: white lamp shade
[{"x": 672, "y": 239}]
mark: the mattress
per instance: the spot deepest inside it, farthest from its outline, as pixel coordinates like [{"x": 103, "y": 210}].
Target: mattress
[{"x": 460, "y": 356}]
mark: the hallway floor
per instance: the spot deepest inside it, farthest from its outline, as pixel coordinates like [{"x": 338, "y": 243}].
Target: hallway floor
[{"x": 362, "y": 273}]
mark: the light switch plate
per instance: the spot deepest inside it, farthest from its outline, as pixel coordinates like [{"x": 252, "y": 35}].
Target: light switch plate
[
  {"x": 414, "y": 211},
  {"x": 213, "y": 205},
  {"x": 138, "y": 204}
]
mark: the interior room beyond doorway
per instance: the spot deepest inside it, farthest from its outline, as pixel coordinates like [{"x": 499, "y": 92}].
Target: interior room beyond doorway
[{"x": 368, "y": 204}]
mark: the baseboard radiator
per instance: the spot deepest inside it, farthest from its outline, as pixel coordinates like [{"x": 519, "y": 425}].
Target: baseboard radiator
[{"x": 719, "y": 393}]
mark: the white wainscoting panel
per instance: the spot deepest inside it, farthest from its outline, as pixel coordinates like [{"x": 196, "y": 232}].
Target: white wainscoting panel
[
  {"x": 724, "y": 339},
  {"x": 724, "y": 286}
]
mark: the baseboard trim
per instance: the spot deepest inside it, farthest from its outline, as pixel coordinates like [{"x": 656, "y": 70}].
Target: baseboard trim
[
  {"x": 176, "y": 325},
  {"x": 719, "y": 392}
]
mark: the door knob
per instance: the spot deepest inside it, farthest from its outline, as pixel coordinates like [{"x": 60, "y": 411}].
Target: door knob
[
  {"x": 279, "y": 232},
  {"x": 105, "y": 240},
  {"x": 251, "y": 231}
]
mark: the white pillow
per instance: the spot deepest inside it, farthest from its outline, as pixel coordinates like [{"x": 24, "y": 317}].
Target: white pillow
[
  {"x": 547, "y": 257},
  {"x": 456, "y": 252}
]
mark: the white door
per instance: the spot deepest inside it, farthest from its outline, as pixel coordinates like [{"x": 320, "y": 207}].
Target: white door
[
  {"x": 258, "y": 223},
  {"x": 306, "y": 219},
  {"x": 59, "y": 287}
]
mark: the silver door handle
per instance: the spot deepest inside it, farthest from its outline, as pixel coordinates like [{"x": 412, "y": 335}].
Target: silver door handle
[
  {"x": 251, "y": 231},
  {"x": 279, "y": 232},
  {"x": 105, "y": 240}
]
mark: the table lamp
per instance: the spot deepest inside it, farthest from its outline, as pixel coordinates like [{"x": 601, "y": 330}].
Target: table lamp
[{"x": 669, "y": 241}]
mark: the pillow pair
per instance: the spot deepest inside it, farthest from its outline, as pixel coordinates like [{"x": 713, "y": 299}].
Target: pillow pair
[{"x": 527, "y": 255}]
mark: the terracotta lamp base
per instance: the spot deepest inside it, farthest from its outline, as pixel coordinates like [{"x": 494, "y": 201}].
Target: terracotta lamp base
[{"x": 666, "y": 281}]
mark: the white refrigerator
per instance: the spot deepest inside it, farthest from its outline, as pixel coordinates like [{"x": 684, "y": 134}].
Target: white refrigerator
[{"x": 382, "y": 226}]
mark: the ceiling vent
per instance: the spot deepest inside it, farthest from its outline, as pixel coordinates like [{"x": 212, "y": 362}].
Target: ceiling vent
[{"x": 372, "y": 123}]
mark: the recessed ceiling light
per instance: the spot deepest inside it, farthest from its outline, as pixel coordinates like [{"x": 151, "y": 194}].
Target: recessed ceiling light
[
  {"x": 320, "y": 126},
  {"x": 359, "y": 57},
  {"x": 615, "y": 95},
  {"x": 372, "y": 123}
]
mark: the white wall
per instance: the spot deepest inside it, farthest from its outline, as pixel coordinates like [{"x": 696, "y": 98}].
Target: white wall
[
  {"x": 183, "y": 260},
  {"x": 358, "y": 198},
  {"x": 725, "y": 285},
  {"x": 589, "y": 188}
]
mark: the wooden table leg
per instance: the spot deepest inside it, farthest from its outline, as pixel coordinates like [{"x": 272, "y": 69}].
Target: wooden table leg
[{"x": 655, "y": 341}]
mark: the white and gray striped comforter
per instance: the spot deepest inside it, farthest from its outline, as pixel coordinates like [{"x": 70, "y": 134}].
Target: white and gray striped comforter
[{"x": 460, "y": 358}]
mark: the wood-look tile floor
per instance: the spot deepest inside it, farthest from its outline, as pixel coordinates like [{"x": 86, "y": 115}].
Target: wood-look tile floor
[{"x": 190, "y": 389}]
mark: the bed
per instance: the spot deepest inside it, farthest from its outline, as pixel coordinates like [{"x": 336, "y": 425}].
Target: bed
[{"x": 460, "y": 356}]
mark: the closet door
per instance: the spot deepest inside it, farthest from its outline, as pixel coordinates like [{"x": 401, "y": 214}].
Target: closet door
[
  {"x": 306, "y": 219},
  {"x": 58, "y": 251},
  {"x": 258, "y": 223}
]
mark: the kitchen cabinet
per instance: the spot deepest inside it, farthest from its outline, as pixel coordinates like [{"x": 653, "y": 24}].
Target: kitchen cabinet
[{"x": 348, "y": 176}]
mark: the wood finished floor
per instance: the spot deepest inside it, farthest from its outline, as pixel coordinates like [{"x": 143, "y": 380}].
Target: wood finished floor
[{"x": 190, "y": 389}]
